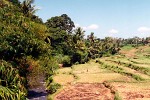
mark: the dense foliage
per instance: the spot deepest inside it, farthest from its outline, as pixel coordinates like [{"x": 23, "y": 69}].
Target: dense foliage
[
  {"x": 22, "y": 40},
  {"x": 12, "y": 85}
]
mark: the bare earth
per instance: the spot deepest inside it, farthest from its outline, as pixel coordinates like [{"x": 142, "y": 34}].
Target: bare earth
[
  {"x": 85, "y": 91},
  {"x": 133, "y": 91}
]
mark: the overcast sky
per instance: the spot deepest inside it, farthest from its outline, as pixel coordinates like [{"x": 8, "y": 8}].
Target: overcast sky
[{"x": 116, "y": 18}]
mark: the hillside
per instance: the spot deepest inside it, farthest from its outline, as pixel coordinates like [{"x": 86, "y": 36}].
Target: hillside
[{"x": 119, "y": 77}]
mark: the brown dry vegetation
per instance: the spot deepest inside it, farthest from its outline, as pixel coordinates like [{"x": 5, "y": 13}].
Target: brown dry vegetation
[
  {"x": 86, "y": 91},
  {"x": 133, "y": 91}
]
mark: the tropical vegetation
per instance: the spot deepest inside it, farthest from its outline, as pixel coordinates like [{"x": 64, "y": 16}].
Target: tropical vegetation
[{"x": 28, "y": 44}]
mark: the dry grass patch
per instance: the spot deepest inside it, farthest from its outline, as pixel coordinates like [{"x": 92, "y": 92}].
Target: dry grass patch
[
  {"x": 142, "y": 61},
  {"x": 133, "y": 91},
  {"x": 63, "y": 79},
  {"x": 64, "y": 76},
  {"x": 92, "y": 73},
  {"x": 89, "y": 69},
  {"x": 143, "y": 65},
  {"x": 63, "y": 70},
  {"x": 101, "y": 77}
]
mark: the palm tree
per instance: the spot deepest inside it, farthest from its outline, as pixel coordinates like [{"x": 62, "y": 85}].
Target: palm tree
[
  {"x": 15, "y": 1},
  {"x": 91, "y": 38},
  {"x": 78, "y": 38},
  {"x": 79, "y": 33},
  {"x": 28, "y": 8}
]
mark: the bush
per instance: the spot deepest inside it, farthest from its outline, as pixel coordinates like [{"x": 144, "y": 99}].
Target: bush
[
  {"x": 80, "y": 57},
  {"x": 53, "y": 87},
  {"x": 35, "y": 72},
  {"x": 63, "y": 59},
  {"x": 66, "y": 61},
  {"x": 49, "y": 81}
]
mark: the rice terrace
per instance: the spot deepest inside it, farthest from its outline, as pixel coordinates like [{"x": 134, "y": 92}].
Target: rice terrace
[
  {"x": 74, "y": 50},
  {"x": 115, "y": 77}
]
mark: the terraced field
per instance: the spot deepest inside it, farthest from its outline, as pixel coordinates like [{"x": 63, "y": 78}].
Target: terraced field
[
  {"x": 139, "y": 89},
  {"x": 118, "y": 77}
]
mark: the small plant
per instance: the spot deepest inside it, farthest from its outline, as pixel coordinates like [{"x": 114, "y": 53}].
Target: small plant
[
  {"x": 53, "y": 87},
  {"x": 76, "y": 63},
  {"x": 49, "y": 81},
  {"x": 117, "y": 97}
]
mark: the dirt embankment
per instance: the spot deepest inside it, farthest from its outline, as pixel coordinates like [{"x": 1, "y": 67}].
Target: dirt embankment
[{"x": 130, "y": 53}]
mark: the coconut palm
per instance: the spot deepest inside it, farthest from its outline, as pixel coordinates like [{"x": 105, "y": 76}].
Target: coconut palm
[{"x": 28, "y": 8}]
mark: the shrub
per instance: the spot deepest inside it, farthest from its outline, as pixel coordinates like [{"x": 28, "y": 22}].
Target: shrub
[
  {"x": 49, "y": 65},
  {"x": 117, "y": 97},
  {"x": 53, "y": 87},
  {"x": 80, "y": 57},
  {"x": 63, "y": 59},
  {"x": 35, "y": 72},
  {"x": 49, "y": 81},
  {"x": 66, "y": 61}
]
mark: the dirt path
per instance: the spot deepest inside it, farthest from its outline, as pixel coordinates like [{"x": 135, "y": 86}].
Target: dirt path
[
  {"x": 39, "y": 92},
  {"x": 130, "y": 53}
]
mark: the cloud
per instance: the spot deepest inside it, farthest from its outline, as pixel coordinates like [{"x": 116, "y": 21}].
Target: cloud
[
  {"x": 113, "y": 31},
  {"x": 143, "y": 29},
  {"x": 90, "y": 27}
]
